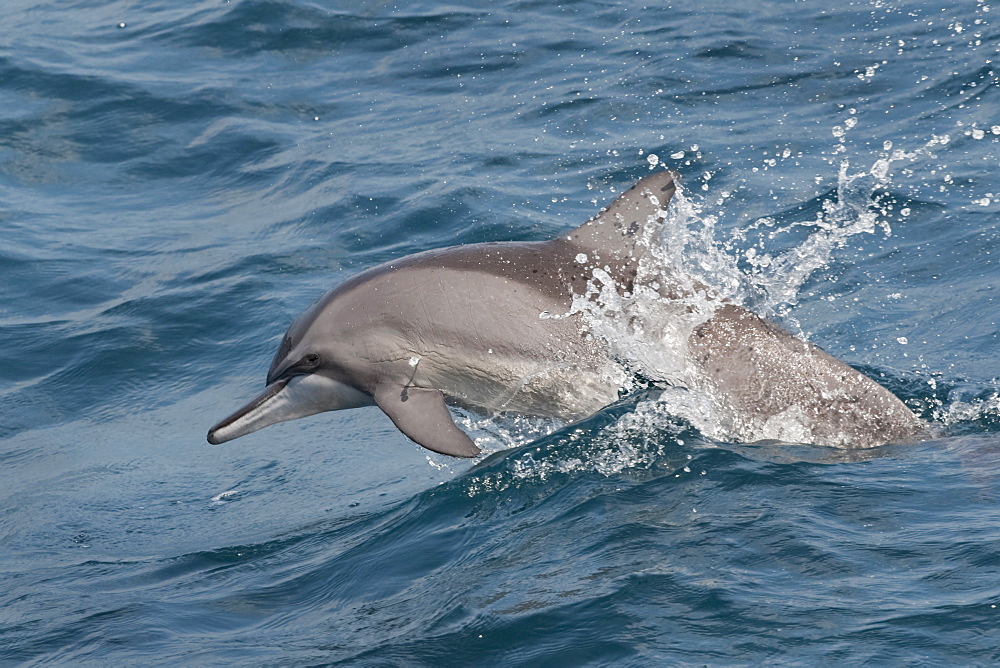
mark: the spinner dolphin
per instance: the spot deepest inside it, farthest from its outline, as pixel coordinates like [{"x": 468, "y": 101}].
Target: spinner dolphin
[{"x": 491, "y": 327}]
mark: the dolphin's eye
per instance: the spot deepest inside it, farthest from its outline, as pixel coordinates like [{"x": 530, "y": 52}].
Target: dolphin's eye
[{"x": 312, "y": 359}]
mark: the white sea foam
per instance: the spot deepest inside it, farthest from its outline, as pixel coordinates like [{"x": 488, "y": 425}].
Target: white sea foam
[{"x": 222, "y": 497}]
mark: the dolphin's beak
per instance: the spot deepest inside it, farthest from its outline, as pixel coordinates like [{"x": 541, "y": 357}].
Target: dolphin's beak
[
  {"x": 265, "y": 409},
  {"x": 289, "y": 398}
]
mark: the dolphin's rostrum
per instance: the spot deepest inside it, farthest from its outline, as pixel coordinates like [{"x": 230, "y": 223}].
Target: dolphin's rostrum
[{"x": 491, "y": 326}]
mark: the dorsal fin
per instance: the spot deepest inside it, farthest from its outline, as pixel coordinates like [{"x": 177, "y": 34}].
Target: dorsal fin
[{"x": 617, "y": 228}]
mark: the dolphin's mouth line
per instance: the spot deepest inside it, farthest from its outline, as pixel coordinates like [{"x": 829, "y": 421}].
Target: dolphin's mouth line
[{"x": 247, "y": 413}]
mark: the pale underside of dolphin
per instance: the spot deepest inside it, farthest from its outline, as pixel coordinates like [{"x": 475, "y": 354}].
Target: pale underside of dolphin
[{"x": 492, "y": 327}]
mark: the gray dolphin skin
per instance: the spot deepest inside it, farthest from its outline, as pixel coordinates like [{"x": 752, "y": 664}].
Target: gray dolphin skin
[{"x": 489, "y": 326}]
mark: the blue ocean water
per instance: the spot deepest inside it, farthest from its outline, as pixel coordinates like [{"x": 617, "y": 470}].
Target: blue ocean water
[{"x": 179, "y": 180}]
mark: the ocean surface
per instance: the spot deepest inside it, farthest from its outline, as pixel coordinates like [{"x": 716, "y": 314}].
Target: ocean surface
[{"x": 179, "y": 180}]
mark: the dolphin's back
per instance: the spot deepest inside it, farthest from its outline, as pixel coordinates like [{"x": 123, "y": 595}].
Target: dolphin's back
[{"x": 782, "y": 388}]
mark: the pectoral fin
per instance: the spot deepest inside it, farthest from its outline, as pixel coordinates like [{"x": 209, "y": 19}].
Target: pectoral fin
[{"x": 422, "y": 415}]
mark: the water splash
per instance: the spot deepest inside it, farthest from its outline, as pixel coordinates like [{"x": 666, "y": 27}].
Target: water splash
[
  {"x": 690, "y": 273},
  {"x": 630, "y": 436},
  {"x": 778, "y": 277},
  {"x": 965, "y": 408}
]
